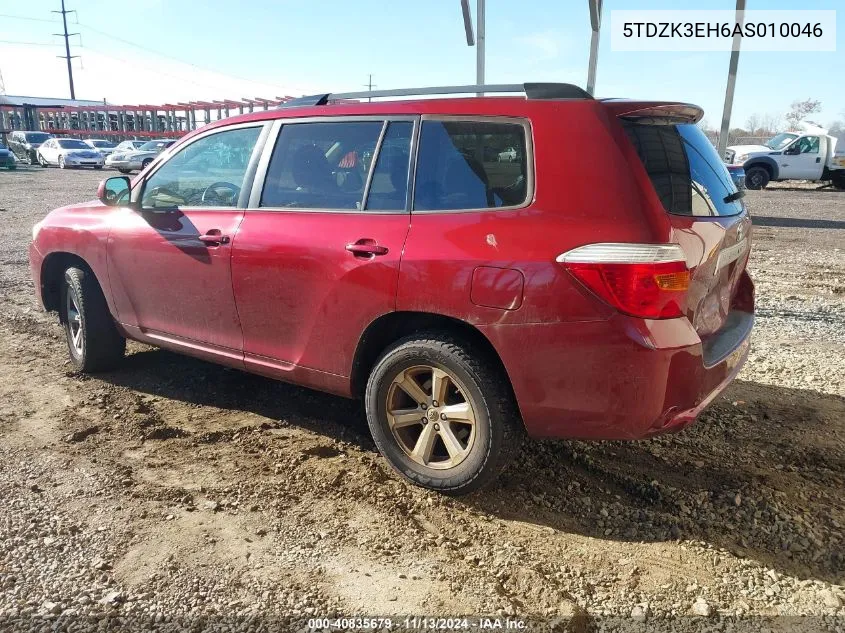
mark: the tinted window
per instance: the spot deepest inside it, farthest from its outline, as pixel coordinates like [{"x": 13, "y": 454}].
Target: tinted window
[
  {"x": 470, "y": 165},
  {"x": 808, "y": 145},
  {"x": 206, "y": 173},
  {"x": 321, "y": 165},
  {"x": 389, "y": 185},
  {"x": 685, "y": 169},
  {"x": 69, "y": 143},
  {"x": 36, "y": 137}
]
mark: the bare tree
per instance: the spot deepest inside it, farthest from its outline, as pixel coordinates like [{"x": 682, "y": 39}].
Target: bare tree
[
  {"x": 800, "y": 109},
  {"x": 753, "y": 123}
]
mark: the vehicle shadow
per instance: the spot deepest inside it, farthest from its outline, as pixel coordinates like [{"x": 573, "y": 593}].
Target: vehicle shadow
[
  {"x": 800, "y": 223},
  {"x": 760, "y": 475}
]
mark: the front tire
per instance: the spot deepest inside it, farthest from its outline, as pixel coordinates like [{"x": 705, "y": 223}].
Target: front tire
[
  {"x": 124, "y": 171},
  {"x": 756, "y": 177},
  {"x": 442, "y": 413},
  {"x": 92, "y": 338},
  {"x": 42, "y": 162}
]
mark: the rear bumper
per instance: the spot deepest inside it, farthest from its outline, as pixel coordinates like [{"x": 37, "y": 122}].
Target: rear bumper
[{"x": 623, "y": 378}]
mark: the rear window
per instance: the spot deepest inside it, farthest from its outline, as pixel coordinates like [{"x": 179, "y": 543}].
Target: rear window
[
  {"x": 471, "y": 165},
  {"x": 685, "y": 169}
]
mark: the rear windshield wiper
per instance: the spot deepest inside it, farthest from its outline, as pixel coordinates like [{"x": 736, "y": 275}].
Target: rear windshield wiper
[{"x": 734, "y": 196}]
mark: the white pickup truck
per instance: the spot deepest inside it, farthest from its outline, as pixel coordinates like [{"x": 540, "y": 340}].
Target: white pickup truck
[{"x": 809, "y": 155}]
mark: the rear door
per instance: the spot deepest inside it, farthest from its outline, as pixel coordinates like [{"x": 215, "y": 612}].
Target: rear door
[
  {"x": 706, "y": 212},
  {"x": 316, "y": 259}
]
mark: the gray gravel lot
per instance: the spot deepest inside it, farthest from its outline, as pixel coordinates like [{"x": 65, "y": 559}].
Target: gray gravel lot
[{"x": 173, "y": 493}]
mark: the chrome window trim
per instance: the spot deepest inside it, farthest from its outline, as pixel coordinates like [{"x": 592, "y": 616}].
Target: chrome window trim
[
  {"x": 270, "y": 146},
  {"x": 470, "y": 118},
  {"x": 137, "y": 192}
]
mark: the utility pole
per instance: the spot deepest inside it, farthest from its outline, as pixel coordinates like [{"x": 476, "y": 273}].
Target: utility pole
[
  {"x": 370, "y": 85},
  {"x": 729, "y": 90},
  {"x": 67, "y": 56}
]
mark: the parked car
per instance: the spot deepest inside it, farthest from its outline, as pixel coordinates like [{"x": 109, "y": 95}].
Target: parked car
[
  {"x": 465, "y": 301},
  {"x": 25, "y": 145},
  {"x": 737, "y": 173},
  {"x": 7, "y": 158},
  {"x": 69, "y": 152},
  {"x": 101, "y": 145},
  {"x": 138, "y": 159},
  {"x": 127, "y": 146}
]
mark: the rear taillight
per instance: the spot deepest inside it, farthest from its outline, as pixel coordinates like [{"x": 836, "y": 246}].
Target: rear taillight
[{"x": 644, "y": 280}]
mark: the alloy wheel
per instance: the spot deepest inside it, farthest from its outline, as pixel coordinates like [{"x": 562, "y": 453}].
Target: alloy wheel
[
  {"x": 61, "y": 162},
  {"x": 74, "y": 325},
  {"x": 431, "y": 416}
]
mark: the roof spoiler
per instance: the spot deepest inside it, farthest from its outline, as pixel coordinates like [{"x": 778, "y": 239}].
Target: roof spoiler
[{"x": 654, "y": 112}]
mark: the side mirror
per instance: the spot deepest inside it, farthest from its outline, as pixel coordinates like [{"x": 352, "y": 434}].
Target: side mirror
[
  {"x": 792, "y": 150},
  {"x": 114, "y": 192}
]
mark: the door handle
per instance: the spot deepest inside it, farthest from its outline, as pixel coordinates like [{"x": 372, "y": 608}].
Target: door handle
[
  {"x": 366, "y": 248},
  {"x": 214, "y": 238}
]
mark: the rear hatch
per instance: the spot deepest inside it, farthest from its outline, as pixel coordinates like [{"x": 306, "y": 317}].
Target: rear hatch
[{"x": 704, "y": 207}]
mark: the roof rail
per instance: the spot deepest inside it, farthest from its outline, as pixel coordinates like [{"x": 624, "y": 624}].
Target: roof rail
[{"x": 531, "y": 91}]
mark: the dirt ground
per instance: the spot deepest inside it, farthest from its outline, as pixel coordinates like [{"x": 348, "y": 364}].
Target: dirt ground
[{"x": 173, "y": 490}]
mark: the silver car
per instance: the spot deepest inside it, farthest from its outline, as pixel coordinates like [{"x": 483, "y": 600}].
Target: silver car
[
  {"x": 69, "y": 152},
  {"x": 101, "y": 145},
  {"x": 137, "y": 160}
]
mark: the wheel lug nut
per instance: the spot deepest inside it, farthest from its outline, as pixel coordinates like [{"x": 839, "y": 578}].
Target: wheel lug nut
[
  {"x": 434, "y": 403},
  {"x": 424, "y": 406},
  {"x": 424, "y": 421},
  {"x": 442, "y": 416},
  {"x": 436, "y": 427}
]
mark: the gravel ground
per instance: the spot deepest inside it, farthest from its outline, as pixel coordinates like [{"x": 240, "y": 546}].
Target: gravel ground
[{"x": 175, "y": 494}]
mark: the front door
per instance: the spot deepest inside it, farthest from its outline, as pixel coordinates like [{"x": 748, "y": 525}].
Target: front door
[
  {"x": 808, "y": 161},
  {"x": 170, "y": 259},
  {"x": 317, "y": 256}
]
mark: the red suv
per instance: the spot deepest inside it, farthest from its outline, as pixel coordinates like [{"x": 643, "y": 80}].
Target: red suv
[{"x": 472, "y": 268}]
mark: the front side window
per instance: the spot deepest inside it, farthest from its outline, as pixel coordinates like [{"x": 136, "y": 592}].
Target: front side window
[
  {"x": 471, "y": 165},
  {"x": 209, "y": 172},
  {"x": 321, "y": 165},
  {"x": 808, "y": 145}
]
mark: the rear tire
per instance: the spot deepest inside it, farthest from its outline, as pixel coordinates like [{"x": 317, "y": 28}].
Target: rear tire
[
  {"x": 92, "y": 338},
  {"x": 124, "y": 171},
  {"x": 42, "y": 162},
  {"x": 838, "y": 181},
  {"x": 457, "y": 444},
  {"x": 61, "y": 162},
  {"x": 145, "y": 163},
  {"x": 756, "y": 177}
]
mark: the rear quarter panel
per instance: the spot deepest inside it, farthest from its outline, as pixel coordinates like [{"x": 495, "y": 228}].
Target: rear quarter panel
[{"x": 583, "y": 193}]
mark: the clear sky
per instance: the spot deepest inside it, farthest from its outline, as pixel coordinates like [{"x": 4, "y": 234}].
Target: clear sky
[{"x": 157, "y": 51}]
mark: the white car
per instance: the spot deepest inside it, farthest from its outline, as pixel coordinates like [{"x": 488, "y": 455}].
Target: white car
[
  {"x": 127, "y": 146},
  {"x": 69, "y": 152},
  {"x": 101, "y": 145}
]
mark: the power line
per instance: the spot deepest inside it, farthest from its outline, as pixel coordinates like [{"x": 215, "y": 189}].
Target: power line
[
  {"x": 67, "y": 56},
  {"x": 370, "y": 85},
  {"x": 23, "y": 17},
  {"x": 166, "y": 56}
]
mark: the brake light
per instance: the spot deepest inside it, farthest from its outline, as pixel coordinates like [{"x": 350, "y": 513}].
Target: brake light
[{"x": 644, "y": 280}]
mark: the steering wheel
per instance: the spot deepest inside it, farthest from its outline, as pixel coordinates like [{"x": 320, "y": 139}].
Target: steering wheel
[{"x": 211, "y": 193}]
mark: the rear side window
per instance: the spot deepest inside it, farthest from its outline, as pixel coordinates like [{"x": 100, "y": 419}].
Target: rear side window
[
  {"x": 471, "y": 165},
  {"x": 685, "y": 169},
  {"x": 321, "y": 165},
  {"x": 389, "y": 184}
]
